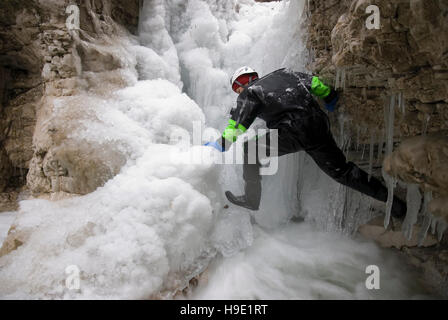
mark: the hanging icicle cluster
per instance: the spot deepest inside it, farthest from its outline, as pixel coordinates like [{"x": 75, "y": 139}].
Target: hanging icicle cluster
[
  {"x": 416, "y": 208},
  {"x": 372, "y": 147},
  {"x": 390, "y": 181}
]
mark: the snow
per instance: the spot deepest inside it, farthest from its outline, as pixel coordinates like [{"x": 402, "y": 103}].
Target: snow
[
  {"x": 144, "y": 232},
  {"x": 126, "y": 237}
]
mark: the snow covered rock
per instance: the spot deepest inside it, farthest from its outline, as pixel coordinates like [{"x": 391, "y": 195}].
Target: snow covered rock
[{"x": 423, "y": 160}]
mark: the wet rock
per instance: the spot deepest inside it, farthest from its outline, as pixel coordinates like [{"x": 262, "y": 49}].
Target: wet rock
[
  {"x": 439, "y": 207},
  {"x": 393, "y": 238},
  {"x": 422, "y": 160},
  {"x": 40, "y": 58}
]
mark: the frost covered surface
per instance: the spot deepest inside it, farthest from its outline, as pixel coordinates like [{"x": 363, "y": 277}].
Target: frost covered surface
[
  {"x": 146, "y": 232},
  {"x": 143, "y": 233}
]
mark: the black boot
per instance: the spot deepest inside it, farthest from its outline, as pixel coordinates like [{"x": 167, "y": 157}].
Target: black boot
[
  {"x": 251, "y": 199},
  {"x": 240, "y": 201}
]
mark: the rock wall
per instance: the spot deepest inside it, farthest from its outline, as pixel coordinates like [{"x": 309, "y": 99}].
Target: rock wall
[
  {"x": 42, "y": 62},
  {"x": 407, "y": 56},
  {"x": 404, "y": 62}
]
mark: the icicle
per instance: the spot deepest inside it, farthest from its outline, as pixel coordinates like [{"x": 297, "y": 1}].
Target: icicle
[
  {"x": 390, "y": 126},
  {"x": 399, "y": 99},
  {"x": 343, "y": 78},
  {"x": 300, "y": 178},
  {"x": 433, "y": 226},
  {"x": 427, "y": 217},
  {"x": 401, "y": 105},
  {"x": 337, "y": 80},
  {"x": 372, "y": 146},
  {"x": 380, "y": 146},
  {"x": 363, "y": 150},
  {"x": 341, "y": 132},
  {"x": 426, "y": 124},
  {"x": 391, "y": 183},
  {"x": 441, "y": 228},
  {"x": 340, "y": 78},
  {"x": 413, "y": 202},
  {"x": 358, "y": 137},
  {"x": 347, "y": 149}
]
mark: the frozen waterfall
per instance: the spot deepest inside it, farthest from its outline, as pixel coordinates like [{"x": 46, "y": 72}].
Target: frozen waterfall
[{"x": 159, "y": 223}]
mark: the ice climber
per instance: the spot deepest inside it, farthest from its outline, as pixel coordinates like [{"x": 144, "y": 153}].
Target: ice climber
[{"x": 285, "y": 100}]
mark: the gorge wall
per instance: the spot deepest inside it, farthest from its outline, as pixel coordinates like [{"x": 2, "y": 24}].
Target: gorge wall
[
  {"x": 41, "y": 60},
  {"x": 404, "y": 63}
]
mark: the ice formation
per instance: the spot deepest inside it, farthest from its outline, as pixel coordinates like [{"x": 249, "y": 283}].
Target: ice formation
[
  {"x": 427, "y": 197},
  {"x": 380, "y": 146},
  {"x": 371, "y": 153},
  {"x": 413, "y": 202},
  {"x": 391, "y": 182}
]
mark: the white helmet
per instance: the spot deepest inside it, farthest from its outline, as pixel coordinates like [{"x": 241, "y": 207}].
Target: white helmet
[{"x": 242, "y": 71}]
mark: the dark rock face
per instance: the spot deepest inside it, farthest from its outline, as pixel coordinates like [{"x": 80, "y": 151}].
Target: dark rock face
[{"x": 20, "y": 87}]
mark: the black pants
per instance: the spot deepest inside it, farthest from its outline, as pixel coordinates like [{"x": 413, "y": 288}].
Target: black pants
[{"x": 310, "y": 134}]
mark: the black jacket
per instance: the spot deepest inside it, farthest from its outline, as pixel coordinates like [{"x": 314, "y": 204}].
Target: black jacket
[
  {"x": 277, "y": 98},
  {"x": 280, "y": 98}
]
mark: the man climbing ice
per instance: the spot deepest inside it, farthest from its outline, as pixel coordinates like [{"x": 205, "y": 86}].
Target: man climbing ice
[{"x": 284, "y": 99}]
